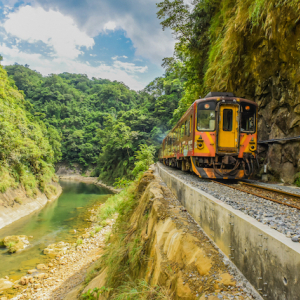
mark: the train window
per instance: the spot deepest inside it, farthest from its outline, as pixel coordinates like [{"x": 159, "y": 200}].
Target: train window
[
  {"x": 182, "y": 131},
  {"x": 206, "y": 116},
  {"x": 187, "y": 128},
  {"x": 227, "y": 119},
  {"x": 248, "y": 112}
]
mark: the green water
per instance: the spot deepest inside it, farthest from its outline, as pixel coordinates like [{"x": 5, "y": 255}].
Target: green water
[{"x": 57, "y": 221}]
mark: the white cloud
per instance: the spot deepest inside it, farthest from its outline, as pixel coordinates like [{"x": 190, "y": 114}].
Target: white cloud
[
  {"x": 129, "y": 67},
  {"x": 110, "y": 26},
  {"x": 59, "y": 32},
  {"x": 137, "y": 18},
  {"x": 123, "y": 72},
  {"x": 116, "y": 57},
  {"x": 93, "y": 55}
]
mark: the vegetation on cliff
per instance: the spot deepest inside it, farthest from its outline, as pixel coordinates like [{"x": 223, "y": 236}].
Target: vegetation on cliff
[
  {"x": 101, "y": 123},
  {"x": 247, "y": 47},
  {"x": 27, "y": 154},
  {"x": 232, "y": 46}
]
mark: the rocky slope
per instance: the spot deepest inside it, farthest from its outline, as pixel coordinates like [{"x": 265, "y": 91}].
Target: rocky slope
[{"x": 165, "y": 254}]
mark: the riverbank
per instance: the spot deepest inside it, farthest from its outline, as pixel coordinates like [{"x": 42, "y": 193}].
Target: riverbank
[
  {"x": 67, "y": 270},
  {"x": 93, "y": 180},
  {"x": 156, "y": 250},
  {"x": 15, "y": 204}
]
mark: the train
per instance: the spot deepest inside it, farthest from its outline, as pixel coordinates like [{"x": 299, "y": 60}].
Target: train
[{"x": 216, "y": 138}]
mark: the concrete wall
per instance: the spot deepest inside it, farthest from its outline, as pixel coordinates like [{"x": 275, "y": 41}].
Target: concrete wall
[{"x": 267, "y": 258}]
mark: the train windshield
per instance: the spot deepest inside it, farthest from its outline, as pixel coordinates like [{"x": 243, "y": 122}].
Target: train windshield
[
  {"x": 206, "y": 116},
  {"x": 248, "y": 112}
]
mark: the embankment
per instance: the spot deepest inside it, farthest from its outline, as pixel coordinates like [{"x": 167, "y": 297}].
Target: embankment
[
  {"x": 157, "y": 251},
  {"x": 15, "y": 204}
]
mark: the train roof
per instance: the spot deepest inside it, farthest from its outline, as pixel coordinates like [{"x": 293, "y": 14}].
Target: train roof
[{"x": 225, "y": 98}]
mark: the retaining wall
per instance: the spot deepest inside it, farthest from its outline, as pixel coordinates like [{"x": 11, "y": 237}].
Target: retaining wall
[{"x": 267, "y": 258}]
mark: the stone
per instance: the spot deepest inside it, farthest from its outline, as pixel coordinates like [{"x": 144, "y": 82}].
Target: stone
[
  {"x": 32, "y": 271},
  {"x": 5, "y": 284},
  {"x": 15, "y": 243},
  {"x": 42, "y": 267},
  {"x": 24, "y": 280},
  {"x": 57, "y": 249},
  {"x": 296, "y": 238}
]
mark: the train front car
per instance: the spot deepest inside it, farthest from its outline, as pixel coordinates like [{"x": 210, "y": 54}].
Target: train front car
[{"x": 225, "y": 137}]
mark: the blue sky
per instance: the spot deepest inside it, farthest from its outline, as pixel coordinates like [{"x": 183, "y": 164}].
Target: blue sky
[{"x": 113, "y": 39}]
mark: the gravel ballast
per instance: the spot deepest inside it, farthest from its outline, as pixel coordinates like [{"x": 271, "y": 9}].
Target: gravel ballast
[{"x": 277, "y": 216}]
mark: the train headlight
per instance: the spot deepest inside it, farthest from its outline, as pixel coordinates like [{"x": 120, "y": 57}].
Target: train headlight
[
  {"x": 252, "y": 145},
  {"x": 200, "y": 143}
]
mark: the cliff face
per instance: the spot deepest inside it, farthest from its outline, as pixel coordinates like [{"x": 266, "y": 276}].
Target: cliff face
[{"x": 260, "y": 44}]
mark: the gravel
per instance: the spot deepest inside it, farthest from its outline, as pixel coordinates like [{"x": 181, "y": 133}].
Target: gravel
[{"x": 282, "y": 218}]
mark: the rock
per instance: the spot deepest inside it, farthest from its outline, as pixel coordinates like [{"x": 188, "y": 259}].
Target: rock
[
  {"x": 3, "y": 298},
  {"x": 58, "y": 249},
  {"x": 5, "y": 284},
  {"x": 15, "y": 243},
  {"x": 41, "y": 276},
  {"x": 42, "y": 267},
  {"x": 296, "y": 238},
  {"x": 32, "y": 271},
  {"x": 24, "y": 280}
]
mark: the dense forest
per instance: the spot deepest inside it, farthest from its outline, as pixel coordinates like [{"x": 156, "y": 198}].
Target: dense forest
[
  {"x": 27, "y": 154},
  {"x": 100, "y": 123}
]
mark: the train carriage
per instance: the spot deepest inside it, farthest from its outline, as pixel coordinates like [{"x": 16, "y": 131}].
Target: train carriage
[{"x": 215, "y": 138}]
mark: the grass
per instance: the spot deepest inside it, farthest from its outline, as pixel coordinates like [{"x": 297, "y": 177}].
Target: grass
[
  {"x": 18, "y": 200},
  {"x": 98, "y": 228},
  {"x": 79, "y": 242},
  {"x": 141, "y": 290}
]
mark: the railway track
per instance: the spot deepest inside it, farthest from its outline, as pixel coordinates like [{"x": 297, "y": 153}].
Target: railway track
[{"x": 278, "y": 196}]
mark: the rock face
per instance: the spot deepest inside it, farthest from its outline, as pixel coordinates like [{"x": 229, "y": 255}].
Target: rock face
[
  {"x": 279, "y": 117},
  {"x": 15, "y": 243}
]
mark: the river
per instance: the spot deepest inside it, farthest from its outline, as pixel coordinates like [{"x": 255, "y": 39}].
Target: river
[{"x": 60, "y": 220}]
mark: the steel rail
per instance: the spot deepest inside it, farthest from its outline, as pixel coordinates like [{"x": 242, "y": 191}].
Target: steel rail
[
  {"x": 258, "y": 195},
  {"x": 270, "y": 189}
]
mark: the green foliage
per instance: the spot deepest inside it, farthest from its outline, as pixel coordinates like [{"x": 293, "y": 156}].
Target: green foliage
[
  {"x": 99, "y": 122},
  {"x": 18, "y": 200},
  {"x": 97, "y": 229},
  {"x": 79, "y": 242},
  {"x": 141, "y": 290},
  {"x": 144, "y": 158},
  {"x": 226, "y": 45},
  {"x": 297, "y": 179},
  {"x": 95, "y": 293},
  {"x": 26, "y": 155},
  {"x": 121, "y": 183}
]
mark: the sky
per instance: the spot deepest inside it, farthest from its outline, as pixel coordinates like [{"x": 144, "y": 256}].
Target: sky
[{"x": 114, "y": 39}]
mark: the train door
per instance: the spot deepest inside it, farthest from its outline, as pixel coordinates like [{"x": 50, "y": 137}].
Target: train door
[{"x": 228, "y": 137}]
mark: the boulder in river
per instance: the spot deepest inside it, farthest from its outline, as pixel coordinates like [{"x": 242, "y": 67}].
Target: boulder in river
[
  {"x": 15, "y": 243},
  {"x": 57, "y": 249}
]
